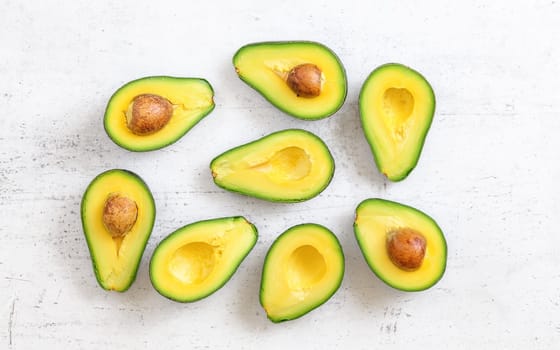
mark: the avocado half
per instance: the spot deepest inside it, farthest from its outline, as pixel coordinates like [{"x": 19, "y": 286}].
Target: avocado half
[
  {"x": 266, "y": 67},
  {"x": 303, "y": 268},
  {"x": 198, "y": 259},
  {"x": 291, "y": 165},
  {"x": 116, "y": 259},
  {"x": 397, "y": 106},
  {"x": 191, "y": 99},
  {"x": 376, "y": 222}
]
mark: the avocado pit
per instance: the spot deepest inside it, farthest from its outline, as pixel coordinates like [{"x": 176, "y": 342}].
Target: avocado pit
[
  {"x": 148, "y": 113},
  {"x": 119, "y": 215},
  {"x": 305, "y": 80},
  {"x": 406, "y": 248}
]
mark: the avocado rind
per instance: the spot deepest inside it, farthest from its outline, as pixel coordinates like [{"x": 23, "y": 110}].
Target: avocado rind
[
  {"x": 282, "y": 106},
  {"x": 370, "y": 258},
  {"x": 280, "y": 198},
  {"x": 83, "y": 213},
  {"x": 428, "y": 118},
  {"x": 233, "y": 266},
  {"x": 117, "y": 139},
  {"x": 276, "y": 245}
]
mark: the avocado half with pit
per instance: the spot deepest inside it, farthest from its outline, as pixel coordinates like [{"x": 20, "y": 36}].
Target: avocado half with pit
[
  {"x": 198, "y": 259},
  {"x": 302, "y": 78},
  {"x": 396, "y": 107},
  {"x": 291, "y": 165},
  {"x": 403, "y": 246},
  {"x": 118, "y": 213},
  {"x": 153, "y": 112},
  {"x": 303, "y": 268}
]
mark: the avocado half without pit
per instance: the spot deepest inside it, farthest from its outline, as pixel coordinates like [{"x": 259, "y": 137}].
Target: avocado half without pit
[
  {"x": 154, "y": 112},
  {"x": 198, "y": 259},
  {"x": 403, "y": 246},
  {"x": 302, "y": 270},
  {"x": 286, "y": 166},
  {"x": 118, "y": 214},
  {"x": 396, "y": 107},
  {"x": 302, "y": 78}
]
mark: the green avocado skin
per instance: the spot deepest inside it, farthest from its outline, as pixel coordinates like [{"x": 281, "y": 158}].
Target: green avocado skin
[
  {"x": 234, "y": 266},
  {"x": 258, "y": 195},
  {"x": 133, "y": 176},
  {"x": 115, "y": 138},
  {"x": 277, "y": 242},
  {"x": 281, "y": 106},
  {"x": 369, "y": 259},
  {"x": 371, "y": 141}
]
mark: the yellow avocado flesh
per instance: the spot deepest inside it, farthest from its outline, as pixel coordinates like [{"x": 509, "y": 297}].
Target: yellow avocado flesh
[
  {"x": 289, "y": 165},
  {"x": 192, "y": 99},
  {"x": 375, "y": 219},
  {"x": 116, "y": 260},
  {"x": 198, "y": 259},
  {"x": 396, "y": 106},
  {"x": 303, "y": 269},
  {"x": 265, "y": 66}
]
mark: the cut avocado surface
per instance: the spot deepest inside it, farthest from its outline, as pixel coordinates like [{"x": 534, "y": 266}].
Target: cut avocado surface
[
  {"x": 286, "y": 166},
  {"x": 302, "y": 270},
  {"x": 403, "y": 246},
  {"x": 198, "y": 259},
  {"x": 153, "y": 112},
  {"x": 396, "y": 107},
  {"x": 302, "y": 78},
  {"x": 118, "y": 213}
]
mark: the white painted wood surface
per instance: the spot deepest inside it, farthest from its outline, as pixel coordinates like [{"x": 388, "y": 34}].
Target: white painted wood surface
[{"x": 489, "y": 173}]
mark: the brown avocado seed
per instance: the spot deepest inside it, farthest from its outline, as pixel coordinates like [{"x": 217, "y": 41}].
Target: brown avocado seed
[
  {"x": 119, "y": 215},
  {"x": 305, "y": 80},
  {"x": 148, "y": 113},
  {"x": 406, "y": 248}
]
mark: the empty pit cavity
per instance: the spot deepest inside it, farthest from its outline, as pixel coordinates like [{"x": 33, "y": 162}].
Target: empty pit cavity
[
  {"x": 193, "y": 262},
  {"x": 289, "y": 164},
  {"x": 398, "y": 103},
  {"x": 305, "y": 267}
]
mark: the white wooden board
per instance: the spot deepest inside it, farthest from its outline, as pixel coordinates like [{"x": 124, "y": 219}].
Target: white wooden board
[{"x": 489, "y": 173}]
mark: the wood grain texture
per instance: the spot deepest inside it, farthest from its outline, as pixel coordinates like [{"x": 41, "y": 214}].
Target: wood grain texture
[{"x": 488, "y": 173}]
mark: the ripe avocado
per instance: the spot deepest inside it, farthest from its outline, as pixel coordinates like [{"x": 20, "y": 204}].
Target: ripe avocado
[
  {"x": 302, "y": 270},
  {"x": 198, "y": 259},
  {"x": 403, "y": 246},
  {"x": 302, "y": 78},
  {"x": 291, "y": 165},
  {"x": 396, "y": 107},
  {"x": 118, "y": 213},
  {"x": 153, "y": 112}
]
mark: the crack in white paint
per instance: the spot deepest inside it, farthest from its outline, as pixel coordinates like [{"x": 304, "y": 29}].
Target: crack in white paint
[{"x": 11, "y": 323}]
